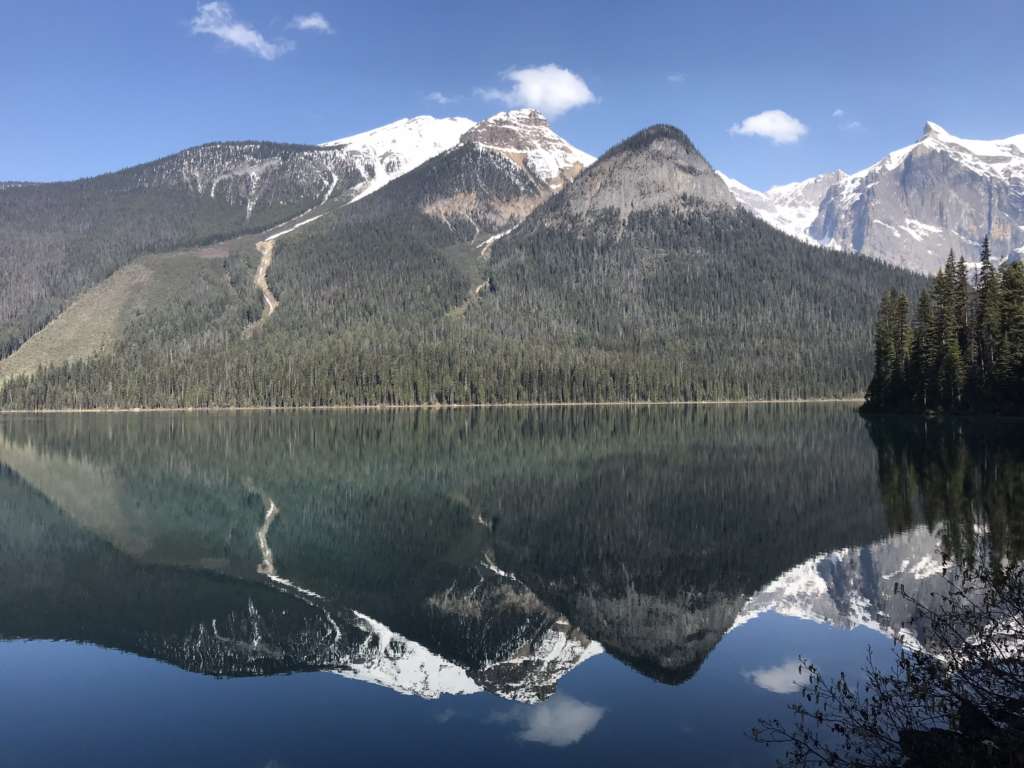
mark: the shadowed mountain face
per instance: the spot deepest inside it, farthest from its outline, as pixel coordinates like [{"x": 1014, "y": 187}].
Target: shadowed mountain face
[{"x": 459, "y": 551}]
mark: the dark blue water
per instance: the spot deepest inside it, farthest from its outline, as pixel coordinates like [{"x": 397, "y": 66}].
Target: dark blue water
[{"x": 546, "y": 587}]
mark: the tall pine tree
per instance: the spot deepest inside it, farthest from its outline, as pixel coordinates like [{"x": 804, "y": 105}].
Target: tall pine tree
[
  {"x": 964, "y": 349},
  {"x": 988, "y": 322}
]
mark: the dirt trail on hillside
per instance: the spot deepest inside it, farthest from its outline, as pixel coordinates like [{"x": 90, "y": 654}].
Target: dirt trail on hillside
[
  {"x": 460, "y": 310},
  {"x": 270, "y": 302},
  {"x": 266, "y": 249}
]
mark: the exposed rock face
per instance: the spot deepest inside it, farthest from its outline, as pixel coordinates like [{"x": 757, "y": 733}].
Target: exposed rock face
[
  {"x": 913, "y": 206},
  {"x": 480, "y": 191},
  {"x": 525, "y": 137},
  {"x": 853, "y": 587},
  {"x": 658, "y": 168},
  {"x": 919, "y": 202},
  {"x": 502, "y": 169},
  {"x": 789, "y": 207}
]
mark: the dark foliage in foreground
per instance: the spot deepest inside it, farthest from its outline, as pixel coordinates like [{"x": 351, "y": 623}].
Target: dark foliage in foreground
[{"x": 956, "y": 703}]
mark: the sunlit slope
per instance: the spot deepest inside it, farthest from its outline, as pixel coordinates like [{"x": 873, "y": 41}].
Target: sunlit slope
[
  {"x": 96, "y": 321},
  {"x": 180, "y": 295}
]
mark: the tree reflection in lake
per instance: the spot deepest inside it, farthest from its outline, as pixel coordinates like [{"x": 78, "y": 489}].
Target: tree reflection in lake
[
  {"x": 453, "y": 552},
  {"x": 955, "y": 695}
]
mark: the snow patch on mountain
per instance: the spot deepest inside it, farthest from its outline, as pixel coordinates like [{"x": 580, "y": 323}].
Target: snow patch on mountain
[
  {"x": 791, "y": 208},
  {"x": 388, "y": 659},
  {"x": 853, "y": 587},
  {"x": 384, "y": 153},
  {"x": 911, "y": 207},
  {"x": 525, "y": 136}
]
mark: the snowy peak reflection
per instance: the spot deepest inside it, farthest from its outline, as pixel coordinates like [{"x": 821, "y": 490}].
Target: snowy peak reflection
[
  {"x": 855, "y": 586},
  {"x": 451, "y": 552}
]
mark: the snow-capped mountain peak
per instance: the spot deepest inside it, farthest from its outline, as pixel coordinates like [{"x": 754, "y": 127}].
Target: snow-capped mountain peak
[
  {"x": 853, "y": 587},
  {"x": 790, "y": 207},
  {"x": 526, "y": 137},
  {"x": 1008, "y": 147},
  {"x": 939, "y": 194},
  {"x": 406, "y": 134},
  {"x": 384, "y": 153},
  {"x": 913, "y": 206}
]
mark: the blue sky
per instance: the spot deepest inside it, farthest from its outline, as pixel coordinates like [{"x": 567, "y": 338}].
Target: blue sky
[{"x": 91, "y": 87}]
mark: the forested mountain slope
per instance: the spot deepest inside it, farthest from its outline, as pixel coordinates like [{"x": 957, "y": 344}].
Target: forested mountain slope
[
  {"x": 646, "y": 263},
  {"x": 57, "y": 240},
  {"x": 641, "y": 280}
]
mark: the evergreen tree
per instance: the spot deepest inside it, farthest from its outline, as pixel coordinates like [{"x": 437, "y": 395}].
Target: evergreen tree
[
  {"x": 965, "y": 350},
  {"x": 888, "y": 388},
  {"x": 988, "y": 322},
  {"x": 924, "y": 354},
  {"x": 1009, "y": 364}
]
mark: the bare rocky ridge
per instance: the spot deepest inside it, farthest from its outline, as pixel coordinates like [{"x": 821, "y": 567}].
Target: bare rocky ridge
[
  {"x": 525, "y": 137},
  {"x": 919, "y": 202},
  {"x": 520, "y": 147},
  {"x": 658, "y": 168},
  {"x": 913, "y": 206}
]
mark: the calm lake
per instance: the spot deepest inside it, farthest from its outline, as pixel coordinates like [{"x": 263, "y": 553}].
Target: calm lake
[{"x": 578, "y": 586}]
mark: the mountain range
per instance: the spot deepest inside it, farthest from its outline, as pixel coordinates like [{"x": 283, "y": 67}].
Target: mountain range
[
  {"x": 913, "y": 206},
  {"x": 427, "y": 261}
]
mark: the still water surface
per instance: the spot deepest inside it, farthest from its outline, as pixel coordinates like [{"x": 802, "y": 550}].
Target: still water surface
[{"x": 585, "y": 586}]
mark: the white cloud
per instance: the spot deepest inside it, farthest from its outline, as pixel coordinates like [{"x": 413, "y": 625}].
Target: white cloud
[
  {"x": 217, "y": 19},
  {"x": 677, "y": 77},
  {"x": 314, "y": 22},
  {"x": 787, "y": 677},
  {"x": 439, "y": 98},
  {"x": 773, "y": 124},
  {"x": 550, "y": 88},
  {"x": 557, "y": 722},
  {"x": 445, "y": 715},
  {"x": 849, "y": 125}
]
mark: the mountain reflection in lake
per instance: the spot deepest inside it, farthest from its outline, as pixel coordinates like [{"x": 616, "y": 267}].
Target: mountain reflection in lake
[{"x": 581, "y": 585}]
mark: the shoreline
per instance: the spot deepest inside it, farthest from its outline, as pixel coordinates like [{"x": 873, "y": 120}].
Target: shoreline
[{"x": 431, "y": 407}]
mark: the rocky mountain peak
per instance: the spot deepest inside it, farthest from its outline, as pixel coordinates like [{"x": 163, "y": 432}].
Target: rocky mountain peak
[
  {"x": 911, "y": 207},
  {"x": 659, "y": 167},
  {"x": 934, "y": 129},
  {"x": 656, "y": 136},
  {"x": 526, "y": 138}
]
